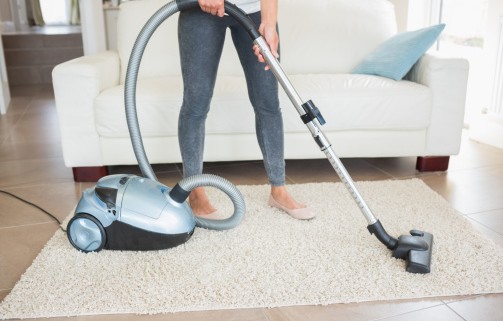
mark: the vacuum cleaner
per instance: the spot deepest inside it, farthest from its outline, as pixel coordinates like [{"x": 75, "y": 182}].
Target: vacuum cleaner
[
  {"x": 415, "y": 248},
  {"x": 133, "y": 213}
]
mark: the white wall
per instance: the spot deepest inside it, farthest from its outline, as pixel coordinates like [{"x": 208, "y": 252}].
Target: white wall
[
  {"x": 493, "y": 47},
  {"x": 7, "y": 24},
  {"x": 13, "y": 15},
  {"x": 415, "y": 14},
  {"x": 401, "y": 12},
  {"x": 5, "y": 14},
  {"x": 489, "y": 126},
  {"x": 19, "y": 14},
  {"x": 93, "y": 26},
  {"x": 494, "y": 14},
  {"x": 4, "y": 84}
]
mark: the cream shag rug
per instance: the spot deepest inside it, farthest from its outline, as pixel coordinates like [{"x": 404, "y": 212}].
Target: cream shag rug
[{"x": 269, "y": 260}]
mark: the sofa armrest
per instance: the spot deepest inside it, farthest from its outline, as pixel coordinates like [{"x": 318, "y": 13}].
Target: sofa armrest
[
  {"x": 447, "y": 78},
  {"x": 76, "y": 84}
]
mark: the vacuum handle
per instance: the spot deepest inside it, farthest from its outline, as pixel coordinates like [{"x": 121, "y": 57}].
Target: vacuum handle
[{"x": 231, "y": 9}]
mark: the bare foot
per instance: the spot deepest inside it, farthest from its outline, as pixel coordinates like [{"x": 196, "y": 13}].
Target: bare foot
[
  {"x": 199, "y": 202},
  {"x": 282, "y": 196}
]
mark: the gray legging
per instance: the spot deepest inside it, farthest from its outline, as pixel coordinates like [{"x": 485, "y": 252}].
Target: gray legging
[{"x": 201, "y": 37}]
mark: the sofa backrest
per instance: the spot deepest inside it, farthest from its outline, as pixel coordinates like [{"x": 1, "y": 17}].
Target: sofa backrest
[{"x": 317, "y": 36}]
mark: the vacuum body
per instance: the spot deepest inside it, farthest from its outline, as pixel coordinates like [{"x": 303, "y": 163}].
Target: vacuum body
[{"x": 128, "y": 212}]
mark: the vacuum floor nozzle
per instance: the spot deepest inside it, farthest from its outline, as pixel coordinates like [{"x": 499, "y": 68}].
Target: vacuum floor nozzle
[{"x": 416, "y": 250}]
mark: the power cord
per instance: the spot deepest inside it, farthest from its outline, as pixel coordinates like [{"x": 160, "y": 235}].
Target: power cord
[{"x": 34, "y": 205}]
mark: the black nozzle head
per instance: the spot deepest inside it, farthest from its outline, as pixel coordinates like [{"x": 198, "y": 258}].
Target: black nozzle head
[{"x": 416, "y": 250}]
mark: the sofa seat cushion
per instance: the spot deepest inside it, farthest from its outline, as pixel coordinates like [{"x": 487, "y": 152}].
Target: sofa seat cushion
[
  {"x": 348, "y": 102},
  {"x": 361, "y": 102}
]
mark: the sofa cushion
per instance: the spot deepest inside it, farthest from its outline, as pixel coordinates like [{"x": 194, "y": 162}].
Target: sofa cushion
[
  {"x": 348, "y": 102},
  {"x": 360, "y": 102},
  {"x": 396, "y": 56}
]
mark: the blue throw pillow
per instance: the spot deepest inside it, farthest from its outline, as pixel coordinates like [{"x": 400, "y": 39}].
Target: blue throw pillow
[{"x": 396, "y": 56}]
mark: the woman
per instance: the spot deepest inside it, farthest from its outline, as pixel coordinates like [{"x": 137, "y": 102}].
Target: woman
[{"x": 201, "y": 38}]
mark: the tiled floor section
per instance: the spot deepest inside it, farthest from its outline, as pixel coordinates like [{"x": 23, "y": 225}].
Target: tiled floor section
[{"x": 32, "y": 167}]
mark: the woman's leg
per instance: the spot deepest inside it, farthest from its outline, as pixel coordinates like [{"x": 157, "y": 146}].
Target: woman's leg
[
  {"x": 201, "y": 37},
  {"x": 263, "y": 93}
]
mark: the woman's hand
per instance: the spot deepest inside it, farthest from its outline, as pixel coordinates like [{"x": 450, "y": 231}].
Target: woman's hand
[
  {"x": 215, "y": 7},
  {"x": 270, "y": 35},
  {"x": 267, "y": 28}
]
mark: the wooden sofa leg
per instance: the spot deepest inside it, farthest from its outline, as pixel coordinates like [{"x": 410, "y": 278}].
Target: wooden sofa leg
[
  {"x": 432, "y": 163},
  {"x": 89, "y": 174}
]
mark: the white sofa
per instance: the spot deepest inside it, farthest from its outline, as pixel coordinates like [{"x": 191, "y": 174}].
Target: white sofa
[{"x": 321, "y": 42}]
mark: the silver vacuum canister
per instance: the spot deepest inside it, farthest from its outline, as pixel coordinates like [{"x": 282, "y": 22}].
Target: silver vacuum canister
[{"x": 127, "y": 212}]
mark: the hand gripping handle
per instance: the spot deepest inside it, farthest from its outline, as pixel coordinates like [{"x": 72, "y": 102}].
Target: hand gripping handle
[{"x": 231, "y": 9}]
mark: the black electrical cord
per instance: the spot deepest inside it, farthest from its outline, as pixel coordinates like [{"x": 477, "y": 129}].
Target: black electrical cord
[{"x": 34, "y": 205}]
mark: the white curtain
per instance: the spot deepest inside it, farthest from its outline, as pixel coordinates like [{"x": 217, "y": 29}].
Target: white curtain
[
  {"x": 74, "y": 16},
  {"x": 36, "y": 11}
]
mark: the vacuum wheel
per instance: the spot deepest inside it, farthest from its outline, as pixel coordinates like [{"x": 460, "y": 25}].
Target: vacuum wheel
[{"x": 86, "y": 233}]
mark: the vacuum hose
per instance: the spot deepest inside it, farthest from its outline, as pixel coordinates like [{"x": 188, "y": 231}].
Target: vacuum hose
[
  {"x": 181, "y": 191},
  {"x": 189, "y": 183}
]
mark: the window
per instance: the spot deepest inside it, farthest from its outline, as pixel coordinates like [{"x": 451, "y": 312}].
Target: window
[
  {"x": 465, "y": 24},
  {"x": 463, "y": 36},
  {"x": 55, "y": 12}
]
